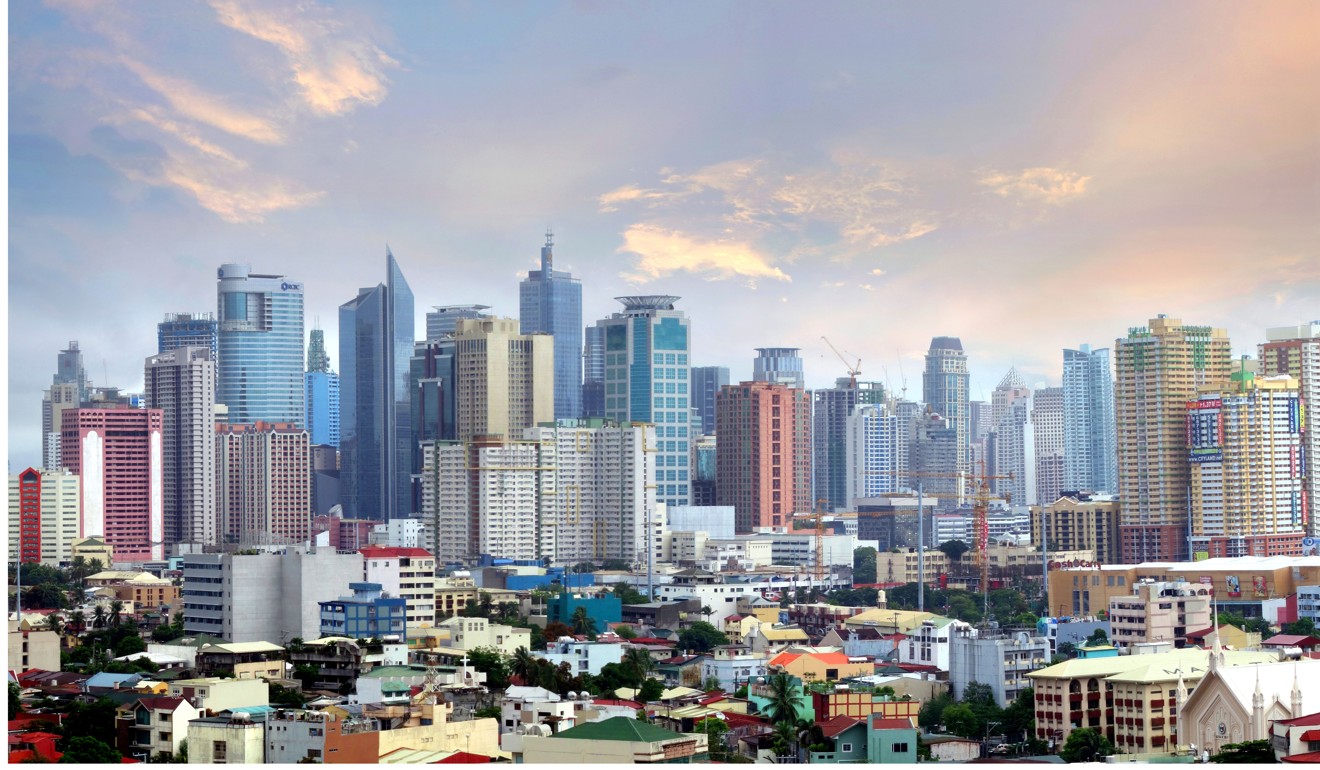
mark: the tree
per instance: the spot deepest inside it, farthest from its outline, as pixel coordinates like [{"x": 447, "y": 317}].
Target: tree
[
  {"x": 116, "y": 611},
  {"x": 553, "y": 631},
  {"x": 638, "y": 663},
  {"x": 711, "y": 684},
  {"x": 625, "y": 632},
  {"x": 864, "y": 565},
  {"x": 583, "y": 567},
  {"x": 1300, "y": 627},
  {"x": 701, "y": 637},
  {"x": 651, "y": 690},
  {"x": 84, "y": 750},
  {"x": 45, "y": 596},
  {"x": 54, "y": 622},
  {"x": 15, "y": 699},
  {"x": 954, "y": 549},
  {"x": 286, "y": 696},
  {"x": 306, "y": 675},
  {"x": 931, "y": 715},
  {"x": 522, "y": 665},
  {"x": 960, "y": 719},
  {"x": 784, "y": 692},
  {"x": 784, "y": 738},
  {"x": 93, "y": 720},
  {"x": 78, "y": 619},
  {"x": 98, "y": 616},
  {"x": 1068, "y": 649},
  {"x": 714, "y": 730},
  {"x": 1097, "y": 638},
  {"x": 492, "y": 663},
  {"x": 130, "y": 645},
  {"x": 582, "y": 622},
  {"x": 1020, "y": 716},
  {"x": 1088, "y": 744},
  {"x": 1245, "y": 753},
  {"x": 628, "y": 594}
]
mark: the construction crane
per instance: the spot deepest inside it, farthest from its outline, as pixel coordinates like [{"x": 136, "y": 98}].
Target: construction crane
[
  {"x": 853, "y": 370},
  {"x": 820, "y": 539}
]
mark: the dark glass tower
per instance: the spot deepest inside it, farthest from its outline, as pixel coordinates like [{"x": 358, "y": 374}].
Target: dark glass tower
[
  {"x": 706, "y": 382},
  {"x": 184, "y": 330},
  {"x": 550, "y": 302},
  {"x": 375, "y": 346}
]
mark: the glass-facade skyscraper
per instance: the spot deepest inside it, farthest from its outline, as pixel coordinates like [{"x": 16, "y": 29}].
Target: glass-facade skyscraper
[
  {"x": 375, "y": 346},
  {"x": 706, "y": 382},
  {"x": 188, "y": 330},
  {"x": 443, "y": 319},
  {"x": 593, "y": 372},
  {"x": 260, "y": 346},
  {"x": 781, "y": 365},
  {"x": 945, "y": 386},
  {"x": 550, "y": 302},
  {"x": 321, "y": 394},
  {"x": 1090, "y": 452},
  {"x": 831, "y": 408},
  {"x": 647, "y": 351}
]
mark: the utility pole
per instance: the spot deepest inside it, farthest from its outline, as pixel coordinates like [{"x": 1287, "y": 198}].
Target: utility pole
[{"x": 921, "y": 549}]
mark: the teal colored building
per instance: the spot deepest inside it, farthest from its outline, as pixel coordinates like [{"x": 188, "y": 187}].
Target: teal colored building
[
  {"x": 603, "y": 609},
  {"x": 870, "y": 740}
]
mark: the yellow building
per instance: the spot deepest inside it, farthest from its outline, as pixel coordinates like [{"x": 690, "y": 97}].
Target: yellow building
[
  {"x": 93, "y": 550},
  {"x": 1121, "y": 694},
  {"x": 819, "y": 666},
  {"x": 888, "y": 621},
  {"x": 453, "y": 595},
  {"x": 1081, "y": 523}
]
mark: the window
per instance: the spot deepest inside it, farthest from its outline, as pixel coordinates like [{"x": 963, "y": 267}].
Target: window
[
  {"x": 900, "y": 748},
  {"x": 219, "y": 750},
  {"x": 846, "y": 748}
]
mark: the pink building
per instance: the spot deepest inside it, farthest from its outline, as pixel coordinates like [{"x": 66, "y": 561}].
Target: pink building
[
  {"x": 263, "y": 489},
  {"x": 763, "y": 453},
  {"x": 116, "y": 453}
]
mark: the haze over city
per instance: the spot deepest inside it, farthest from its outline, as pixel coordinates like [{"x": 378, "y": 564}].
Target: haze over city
[{"x": 1027, "y": 178}]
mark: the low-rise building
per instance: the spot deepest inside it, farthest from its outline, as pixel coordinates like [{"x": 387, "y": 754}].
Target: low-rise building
[
  {"x": 1000, "y": 660},
  {"x": 734, "y": 666},
  {"x": 214, "y": 694},
  {"x": 453, "y": 594},
  {"x": 928, "y": 644},
  {"x": 819, "y": 666},
  {"x": 775, "y": 639},
  {"x": 337, "y": 660},
  {"x": 1296, "y": 740},
  {"x": 235, "y": 739},
  {"x": 242, "y": 660},
  {"x": 408, "y": 573},
  {"x": 1159, "y": 611},
  {"x": 367, "y": 614},
  {"x": 874, "y": 739},
  {"x": 33, "y": 649},
  {"x": 151, "y": 726},
  {"x": 862, "y": 642},
  {"x": 859, "y": 701},
  {"x": 952, "y": 748},
  {"x": 582, "y": 657},
  {"x": 889, "y": 621},
  {"x": 1067, "y": 630},
  {"x": 471, "y": 633},
  {"x": 618, "y": 740}
]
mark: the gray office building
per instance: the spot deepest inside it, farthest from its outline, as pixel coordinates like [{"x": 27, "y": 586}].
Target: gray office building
[
  {"x": 706, "y": 382},
  {"x": 550, "y": 302}
]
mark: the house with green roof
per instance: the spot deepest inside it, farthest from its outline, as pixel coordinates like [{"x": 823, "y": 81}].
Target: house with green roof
[{"x": 617, "y": 740}]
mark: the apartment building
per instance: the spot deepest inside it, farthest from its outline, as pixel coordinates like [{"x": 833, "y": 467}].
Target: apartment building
[
  {"x": 1079, "y": 521},
  {"x": 505, "y": 379},
  {"x": 1295, "y": 351},
  {"x": 43, "y": 515},
  {"x": 263, "y": 489},
  {"x": 1001, "y": 660},
  {"x": 407, "y": 573},
  {"x": 763, "y": 456},
  {"x": 1159, "y": 611}
]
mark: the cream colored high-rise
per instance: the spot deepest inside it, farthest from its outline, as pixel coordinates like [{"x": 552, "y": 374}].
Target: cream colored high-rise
[
  {"x": 56, "y": 495},
  {"x": 1247, "y": 485},
  {"x": 1159, "y": 369},
  {"x": 1295, "y": 351},
  {"x": 506, "y": 380}
]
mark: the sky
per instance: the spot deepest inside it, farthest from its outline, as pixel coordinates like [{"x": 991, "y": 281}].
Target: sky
[{"x": 1026, "y": 176}]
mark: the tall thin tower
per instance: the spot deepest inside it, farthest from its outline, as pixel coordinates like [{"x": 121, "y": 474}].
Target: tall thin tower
[
  {"x": 550, "y": 302},
  {"x": 945, "y": 385}
]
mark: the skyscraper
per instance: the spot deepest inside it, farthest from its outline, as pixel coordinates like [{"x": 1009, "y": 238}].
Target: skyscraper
[
  {"x": 831, "y": 408},
  {"x": 433, "y": 410},
  {"x": 183, "y": 330},
  {"x": 442, "y": 321},
  {"x": 1090, "y": 455},
  {"x": 321, "y": 394},
  {"x": 945, "y": 386},
  {"x": 375, "y": 434},
  {"x": 118, "y": 454},
  {"x": 1159, "y": 369},
  {"x": 593, "y": 372},
  {"x": 1295, "y": 351},
  {"x": 782, "y": 365},
  {"x": 876, "y": 450},
  {"x": 550, "y": 302},
  {"x": 1013, "y": 440},
  {"x": 43, "y": 516},
  {"x": 69, "y": 389},
  {"x": 1246, "y": 480},
  {"x": 181, "y": 383},
  {"x": 763, "y": 453},
  {"x": 1047, "y": 424},
  {"x": 263, "y": 489},
  {"x": 647, "y": 349},
  {"x": 260, "y": 345},
  {"x": 935, "y": 451},
  {"x": 706, "y": 382},
  {"x": 505, "y": 380}
]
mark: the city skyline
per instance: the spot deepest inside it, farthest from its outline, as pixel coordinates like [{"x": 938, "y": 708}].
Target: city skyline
[{"x": 924, "y": 179}]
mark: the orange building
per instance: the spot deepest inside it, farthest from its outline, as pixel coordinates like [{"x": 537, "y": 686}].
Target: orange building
[{"x": 763, "y": 453}]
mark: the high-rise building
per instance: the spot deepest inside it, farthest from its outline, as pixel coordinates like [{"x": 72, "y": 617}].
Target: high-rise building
[
  {"x": 260, "y": 346},
  {"x": 43, "y": 516},
  {"x": 1245, "y": 448},
  {"x": 69, "y": 389},
  {"x": 404, "y": 572},
  {"x": 979, "y": 426},
  {"x": 704, "y": 470},
  {"x": 375, "y": 431},
  {"x": 443, "y": 320},
  {"x": 1047, "y": 427},
  {"x": 1295, "y": 351},
  {"x": 263, "y": 486},
  {"x": 321, "y": 394},
  {"x": 432, "y": 400},
  {"x": 936, "y": 449},
  {"x": 550, "y": 302},
  {"x": 188, "y": 330},
  {"x": 505, "y": 380},
  {"x": 1089, "y": 433},
  {"x": 763, "y": 453},
  {"x": 593, "y": 372},
  {"x": 1082, "y": 522},
  {"x": 181, "y": 383},
  {"x": 647, "y": 350},
  {"x": 877, "y": 445},
  {"x": 706, "y": 382},
  {"x": 118, "y": 454},
  {"x": 1013, "y": 440},
  {"x": 831, "y": 408},
  {"x": 945, "y": 386},
  {"x": 604, "y": 490},
  {"x": 781, "y": 365},
  {"x": 1159, "y": 369}
]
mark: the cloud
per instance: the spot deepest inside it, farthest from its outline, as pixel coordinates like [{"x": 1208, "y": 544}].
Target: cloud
[
  {"x": 193, "y": 103},
  {"x": 335, "y": 69},
  {"x": 1046, "y": 185},
  {"x": 628, "y": 193},
  {"x": 663, "y": 252},
  {"x": 877, "y": 272},
  {"x": 233, "y": 197}
]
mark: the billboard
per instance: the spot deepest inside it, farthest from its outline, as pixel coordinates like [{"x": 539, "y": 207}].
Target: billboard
[
  {"x": 1234, "y": 585},
  {"x": 1258, "y": 586},
  {"x": 1311, "y": 546},
  {"x": 1205, "y": 431}
]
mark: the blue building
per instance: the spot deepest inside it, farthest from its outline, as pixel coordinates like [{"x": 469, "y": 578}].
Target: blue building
[
  {"x": 781, "y": 365},
  {"x": 646, "y": 380},
  {"x": 706, "y": 382},
  {"x": 321, "y": 394},
  {"x": 550, "y": 302},
  {"x": 188, "y": 330},
  {"x": 375, "y": 347},
  {"x": 593, "y": 372},
  {"x": 443, "y": 319},
  {"x": 367, "y": 614},
  {"x": 1090, "y": 439},
  {"x": 260, "y": 344},
  {"x": 603, "y": 609}
]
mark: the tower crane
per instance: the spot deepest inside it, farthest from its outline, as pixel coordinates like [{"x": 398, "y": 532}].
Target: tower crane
[{"x": 853, "y": 370}]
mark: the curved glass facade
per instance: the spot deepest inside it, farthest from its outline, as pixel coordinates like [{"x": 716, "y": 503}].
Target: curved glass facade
[{"x": 260, "y": 346}]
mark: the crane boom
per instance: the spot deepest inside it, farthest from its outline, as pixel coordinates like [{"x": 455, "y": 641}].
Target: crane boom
[{"x": 853, "y": 370}]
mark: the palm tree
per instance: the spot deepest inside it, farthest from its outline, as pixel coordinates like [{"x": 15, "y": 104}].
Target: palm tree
[
  {"x": 638, "y": 662},
  {"x": 785, "y": 738},
  {"x": 98, "y": 616},
  {"x": 55, "y": 623},
  {"x": 523, "y": 665},
  {"x": 116, "y": 609},
  {"x": 582, "y": 623},
  {"x": 784, "y": 693},
  {"x": 78, "y": 619}
]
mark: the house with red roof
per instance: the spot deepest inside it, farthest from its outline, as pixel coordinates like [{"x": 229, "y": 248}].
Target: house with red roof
[
  {"x": 154, "y": 725},
  {"x": 33, "y": 747},
  {"x": 1296, "y": 740},
  {"x": 1307, "y": 643},
  {"x": 820, "y": 666}
]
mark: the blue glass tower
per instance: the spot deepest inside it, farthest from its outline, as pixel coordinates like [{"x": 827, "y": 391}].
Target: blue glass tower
[
  {"x": 321, "y": 394},
  {"x": 706, "y": 382},
  {"x": 647, "y": 347},
  {"x": 1090, "y": 437},
  {"x": 375, "y": 345},
  {"x": 260, "y": 346},
  {"x": 550, "y": 302},
  {"x": 188, "y": 330}
]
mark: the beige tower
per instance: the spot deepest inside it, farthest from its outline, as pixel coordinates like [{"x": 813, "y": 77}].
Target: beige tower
[
  {"x": 1159, "y": 369},
  {"x": 1295, "y": 351},
  {"x": 506, "y": 380}
]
